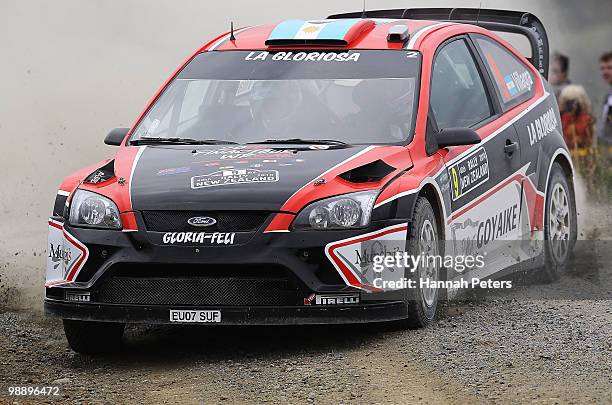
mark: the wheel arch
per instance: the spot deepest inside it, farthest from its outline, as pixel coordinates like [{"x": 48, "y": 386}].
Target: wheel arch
[
  {"x": 432, "y": 195},
  {"x": 566, "y": 164},
  {"x": 564, "y": 159}
]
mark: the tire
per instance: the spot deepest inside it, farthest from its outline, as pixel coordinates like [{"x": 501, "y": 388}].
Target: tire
[
  {"x": 423, "y": 305},
  {"x": 88, "y": 337},
  {"x": 560, "y": 224}
]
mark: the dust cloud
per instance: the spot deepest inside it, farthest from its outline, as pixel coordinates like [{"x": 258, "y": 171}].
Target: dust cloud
[{"x": 70, "y": 70}]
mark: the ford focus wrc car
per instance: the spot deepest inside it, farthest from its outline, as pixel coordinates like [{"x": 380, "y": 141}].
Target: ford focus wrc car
[{"x": 277, "y": 163}]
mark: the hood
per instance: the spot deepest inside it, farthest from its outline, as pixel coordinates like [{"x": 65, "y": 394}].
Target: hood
[{"x": 228, "y": 177}]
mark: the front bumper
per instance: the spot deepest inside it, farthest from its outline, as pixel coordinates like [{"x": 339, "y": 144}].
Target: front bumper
[
  {"x": 203, "y": 278},
  {"x": 159, "y": 314}
]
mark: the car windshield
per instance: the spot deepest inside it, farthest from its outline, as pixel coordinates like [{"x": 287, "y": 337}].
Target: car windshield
[{"x": 353, "y": 97}]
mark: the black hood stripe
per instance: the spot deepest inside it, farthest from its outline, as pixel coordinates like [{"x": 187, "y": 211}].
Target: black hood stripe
[{"x": 229, "y": 177}]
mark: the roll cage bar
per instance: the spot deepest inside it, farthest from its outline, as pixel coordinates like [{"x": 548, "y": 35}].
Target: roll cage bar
[{"x": 515, "y": 22}]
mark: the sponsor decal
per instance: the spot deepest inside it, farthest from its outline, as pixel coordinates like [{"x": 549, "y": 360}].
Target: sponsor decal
[
  {"x": 96, "y": 177},
  {"x": 66, "y": 255},
  {"x": 102, "y": 174},
  {"x": 542, "y": 126},
  {"x": 468, "y": 229},
  {"x": 354, "y": 257},
  {"x": 517, "y": 83},
  {"x": 510, "y": 86},
  {"x": 444, "y": 181},
  {"x": 497, "y": 226},
  {"x": 173, "y": 170},
  {"x": 244, "y": 152},
  {"x": 468, "y": 173},
  {"x": 336, "y": 299},
  {"x": 219, "y": 238},
  {"x": 57, "y": 255},
  {"x": 370, "y": 250},
  {"x": 304, "y": 56},
  {"x": 196, "y": 316},
  {"x": 237, "y": 176},
  {"x": 201, "y": 221},
  {"x": 76, "y": 296}
]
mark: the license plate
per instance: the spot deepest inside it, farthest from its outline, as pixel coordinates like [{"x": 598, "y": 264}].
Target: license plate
[{"x": 195, "y": 316}]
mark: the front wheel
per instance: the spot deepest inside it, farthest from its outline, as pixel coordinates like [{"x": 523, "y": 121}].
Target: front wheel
[
  {"x": 423, "y": 239},
  {"x": 88, "y": 337}
]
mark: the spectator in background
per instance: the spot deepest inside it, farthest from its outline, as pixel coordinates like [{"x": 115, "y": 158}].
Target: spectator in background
[
  {"x": 604, "y": 128},
  {"x": 559, "y": 73},
  {"x": 576, "y": 118},
  {"x": 579, "y": 132}
]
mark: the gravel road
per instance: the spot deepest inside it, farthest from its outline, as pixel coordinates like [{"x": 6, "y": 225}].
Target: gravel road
[
  {"x": 535, "y": 343},
  {"x": 542, "y": 343}
]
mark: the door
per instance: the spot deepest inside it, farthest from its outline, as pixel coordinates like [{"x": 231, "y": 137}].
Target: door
[
  {"x": 514, "y": 83},
  {"x": 486, "y": 202}
]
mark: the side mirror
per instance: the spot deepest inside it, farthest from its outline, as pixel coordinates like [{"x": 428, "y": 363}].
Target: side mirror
[
  {"x": 457, "y": 137},
  {"x": 116, "y": 136}
]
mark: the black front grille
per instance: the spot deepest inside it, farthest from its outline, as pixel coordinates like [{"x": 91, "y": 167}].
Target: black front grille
[
  {"x": 227, "y": 221},
  {"x": 198, "y": 291}
]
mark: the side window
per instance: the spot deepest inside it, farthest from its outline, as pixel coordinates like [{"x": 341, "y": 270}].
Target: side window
[
  {"x": 513, "y": 79},
  {"x": 458, "y": 97}
]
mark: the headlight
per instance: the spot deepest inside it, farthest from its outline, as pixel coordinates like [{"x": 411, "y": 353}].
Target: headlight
[
  {"x": 93, "y": 210},
  {"x": 341, "y": 212}
]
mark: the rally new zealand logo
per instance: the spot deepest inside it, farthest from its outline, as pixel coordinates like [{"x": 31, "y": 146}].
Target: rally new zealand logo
[{"x": 237, "y": 176}]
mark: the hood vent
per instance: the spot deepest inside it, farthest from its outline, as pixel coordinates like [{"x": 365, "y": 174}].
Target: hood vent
[
  {"x": 102, "y": 174},
  {"x": 371, "y": 172}
]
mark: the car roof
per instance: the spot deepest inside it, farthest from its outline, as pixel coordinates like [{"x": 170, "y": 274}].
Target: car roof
[{"x": 373, "y": 37}]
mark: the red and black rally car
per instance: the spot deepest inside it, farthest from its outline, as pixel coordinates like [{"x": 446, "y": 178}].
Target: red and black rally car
[{"x": 272, "y": 169}]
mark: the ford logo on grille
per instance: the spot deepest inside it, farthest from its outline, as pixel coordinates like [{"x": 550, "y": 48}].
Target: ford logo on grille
[{"x": 201, "y": 221}]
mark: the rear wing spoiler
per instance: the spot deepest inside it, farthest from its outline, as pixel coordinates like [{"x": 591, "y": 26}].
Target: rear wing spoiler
[{"x": 516, "y": 22}]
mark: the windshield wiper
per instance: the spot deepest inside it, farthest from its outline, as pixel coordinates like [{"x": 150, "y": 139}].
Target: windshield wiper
[
  {"x": 302, "y": 141},
  {"x": 144, "y": 140}
]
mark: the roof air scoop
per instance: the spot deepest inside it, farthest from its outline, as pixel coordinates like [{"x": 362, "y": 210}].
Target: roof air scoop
[
  {"x": 398, "y": 33},
  {"x": 321, "y": 32}
]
